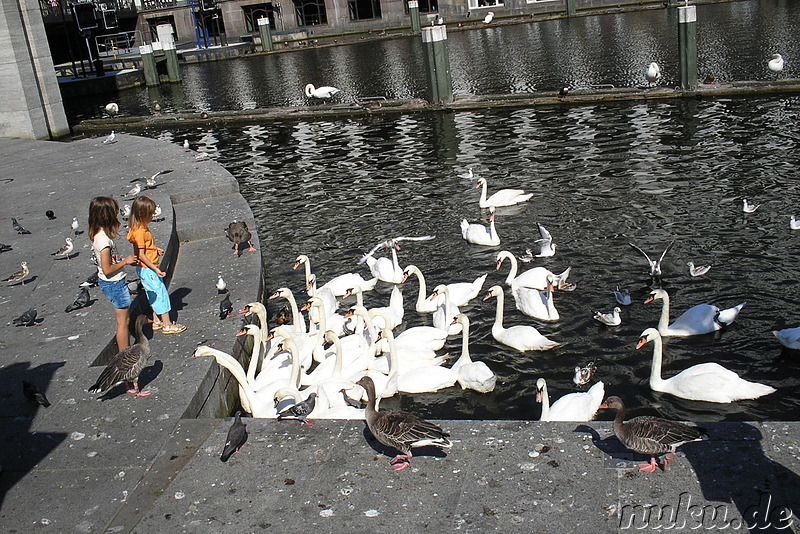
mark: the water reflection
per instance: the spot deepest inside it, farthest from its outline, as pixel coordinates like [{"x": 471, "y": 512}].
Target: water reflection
[
  {"x": 602, "y": 176},
  {"x": 735, "y": 40}
]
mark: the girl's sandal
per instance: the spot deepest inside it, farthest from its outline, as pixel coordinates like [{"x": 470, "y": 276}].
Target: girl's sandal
[
  {"x": 158, "y": 325},
  {"x": 174, "y": 328}
]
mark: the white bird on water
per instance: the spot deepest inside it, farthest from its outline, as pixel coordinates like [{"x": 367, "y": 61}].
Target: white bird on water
[
  {"x": 749, "y": 207},
  {"x": 698, "y": 270},
  {"x": 794, "y": 224},
  {"x": 653, "y": 73},
  {"x": 320, "y": 92},
  {"x": 610, "y": 318},
  {"x": 623, "y": 296},
  {"x": 548, "y": 248},
  {"x": 776, "y": 63}
]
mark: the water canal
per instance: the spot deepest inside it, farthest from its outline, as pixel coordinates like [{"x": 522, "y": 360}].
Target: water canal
[{"x": 602, "y": 176}]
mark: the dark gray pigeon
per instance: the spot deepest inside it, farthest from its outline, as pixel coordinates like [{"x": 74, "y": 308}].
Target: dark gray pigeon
[
  {"x": 18, "y": 227},
  {"x": 81, "y": 301},
  {"x": 32, "y": 392},
  {"x": 4, "y": 247},
  {"x": 26, "y": 319},
  {"x": 237, "y": 435},
  {"x": 92, "y": 281},
  {"x": 300, "y": 411},
  {"x": 225, "y": 307},
  {"x": 238, "y": 233}
]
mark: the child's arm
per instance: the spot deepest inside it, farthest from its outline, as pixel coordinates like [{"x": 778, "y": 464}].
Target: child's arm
[
  {"x": 144, "y": 260},
  {"x": 110, "y": 269}
]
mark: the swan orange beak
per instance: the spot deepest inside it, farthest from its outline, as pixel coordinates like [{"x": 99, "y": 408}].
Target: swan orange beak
[
  {"x": 246, "y": 310},
  {"x": 296, "y": 265},
  {"x": 405, "y": 277},
  {"x": 305, "y": 306},
  {"x": 649, "y": 299},
  {"x": 433, "y": 295},
  {"x": 642, "y": 342},
  {"x": 499, "y": 264},
  {"x": 242, "y": 332},
  {"x": 349, "y": 314},
  {"x": 478, "y": 185},
  {"x": 488, "y": 296}
]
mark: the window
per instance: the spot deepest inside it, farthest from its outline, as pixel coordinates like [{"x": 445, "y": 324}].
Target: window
[
  {"x": 310, "y": 12},
  {"x": 428, "y": 6},
  {"x": 364, "y": 9},
  {"x": 474, "y": 4},
  {"x": 257, "y": 11}
]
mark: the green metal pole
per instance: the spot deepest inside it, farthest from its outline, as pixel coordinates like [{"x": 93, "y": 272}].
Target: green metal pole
[
  {"x": 687, "y": 46},
  {"x": 173, "y": 69},
  {"x": 570, "y": 8},
  {"x": 265, "y": 34},
  {"x": 413, "y": 11},
  {"x": 434, "y": 39},
  {"x": 148, "y": 65}
]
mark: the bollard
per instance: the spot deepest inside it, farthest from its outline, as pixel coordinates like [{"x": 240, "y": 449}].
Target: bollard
[
  {"x": 148, "y": 65},
  {"x": 171, "y": 54},
  {"x": 265, "y": 34},
  {"x": 687, "y": 46},
  {"x": 413, "y": 11},
  {"x": 434, "y": 39},
  {"x": 570, "y": 8}
]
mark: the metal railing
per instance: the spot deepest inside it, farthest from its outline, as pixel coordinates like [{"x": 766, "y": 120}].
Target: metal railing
[{"x": 117, "y": 43}]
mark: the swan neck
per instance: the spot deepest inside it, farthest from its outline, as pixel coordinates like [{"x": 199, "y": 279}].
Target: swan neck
[
  {"x": 655, "y": 368},
  {"x": 337, "y": 367},
  {"x": 423, "y": 288},
  {"x": 255, "y": 356},
  {"x": 663, "y": 321},
  {"x": 464, "y": 359},
  {"x": 483, "y": 192},
  {"x": 498, "y": 316},
  {"x": 235, "y": 368},
  {"x": 545, "y": 404},
  {"x": 296, "y": 317},
  {"x": 512, "y": 273}
]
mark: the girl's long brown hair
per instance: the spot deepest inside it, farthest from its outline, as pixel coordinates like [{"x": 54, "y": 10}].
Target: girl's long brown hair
[
  {"x": 103, "y": 216},
  {"x": 142, "y": 212}
]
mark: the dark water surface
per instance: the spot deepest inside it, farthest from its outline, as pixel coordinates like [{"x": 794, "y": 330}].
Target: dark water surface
[
  {"x": 602, "y": 176},
  {"x": 735, "y": 40}
]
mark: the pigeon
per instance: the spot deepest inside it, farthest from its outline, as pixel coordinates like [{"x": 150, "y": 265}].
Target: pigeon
[
  {"x": 81, "y": 301},
  {"x": 112, "y": 138},
  {"x": 623, "y": 296},
  {"x": 238, "y": 233},
  {"x": 699, "y": 270},
  {"x": 135, "y": 190},
  {"x": 749, "y": 207},
  {"x": 186, "y": 144},
  {"x": 584, "y": 374},
  {"x": 50, "y": 215},
  {"x": 151, "y": 182},
  {"x": 655, "y": 266},
  {"x": 300, "y": 411},
  {"x": 225, "y": 307},
  {"x": 64, "y": 251},
  {"x": 794, "y": 224},
  {"x": 18, "y": 227},
  {"x": 20, "y": 275},
  {"x": 30, "y": 391},
  {"x": 75, "y": 224},
  {"x": 548, "y": 248},
  {"x": 610, "y": 318},
  {"x": 350, "y": 402},
  {"x": 4, "y": 247},
  {"x": 92, "y": 281},
  {"x": 563, "y": 92},
  {"x": 237, "y": 436},
  {"x": 221, "y": 285},
  {"x": 26, "y": 319}
]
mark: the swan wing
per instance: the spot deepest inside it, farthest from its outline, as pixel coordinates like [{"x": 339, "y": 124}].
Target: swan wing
[
  {"x": 506, "y": 197},
  {"x": 462, "y": 292},
  {"x": 713, "y": 383},
  {"x": 578, "y": 406},
  {"x": 696, "y": 320}
]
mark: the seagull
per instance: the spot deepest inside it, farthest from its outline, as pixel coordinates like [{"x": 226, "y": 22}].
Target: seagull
[
  {"x": 26, "y": 319},
  {"x": 528, "y": 257},
  {"x": 469, "y": 174},
  {"x": 151, "y": 182},
  {"x": 653, "y": 73},
  {"x": 75, "y": 224},
  {"x": 548, "y": 248},
  {"x": 300, "y": 411},
  {"x": 221, "y": 285},
  {"x": 4, "y": 247},
  {"x": 125, "y": 211},
  {"x": 64, "y": 251},
  {"x": 655, "y": 266},
  {"x": 584, "y": 374},
  {"x": 489, "y": 17},
  {"x": 30, "y": 391},
  {"x": 794, "y": 224},
  {"x": 201, "y": 156},
  {"x": 156, "y": 107},
  {"x": 20, "y": 275},
  {"x": 112, "y": 108},
  {"x": 135, "y": 190},
  {"x": 610, "y": 318},
  {"x": 50, "y": 215},
  {"x": 92, "y": 281},
  {"x": 700, "y": 270},
  {"x": 112, "y": 138},
  {"x": 749, "y": 207},
  {"x": 18, "y": 227},
  {"x": 623, "y": 296},
  {"x": 157, "y": 212},
  {"x": 237, "y": 435},
  {"x": 225, "y": 307},
  {"x": 776, "y": 63},
  {"x": 81, "y": 301},
  {"x": 186, "y": 144}
]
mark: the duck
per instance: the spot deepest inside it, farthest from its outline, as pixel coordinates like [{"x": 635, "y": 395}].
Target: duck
[
  {"x": 478, "y": 234},
  {"x": 472, "y": 375},
  {"x": 384, "y": 269},
  {"x": 323, "y": 92},
  {"x": 238, "y": 233},
  {"x": 609, "y": 318},
  {"x": 127, "y": 364},
  {"x": 299, "y": 325},
  {"x": 338, "y": 284},
  {"x": 653, "y": 73},
  {"x": 534, "y": 303},
  {"x": 651, "y": 435},
  {"x": 503, "y": 197},
  {"x": 776, "y": 63},
  {"x": 709, "y": 382},
  {"x": 697, "y": 320},
  {"x": 401, "y": 430},
  {"x": 583, "y": 375},
  {"x": 445, "y": 311},
  {"x": 788, "y": 337},
  {"x": 520, "y": 337},
  {"x": 579, "y": 406}
]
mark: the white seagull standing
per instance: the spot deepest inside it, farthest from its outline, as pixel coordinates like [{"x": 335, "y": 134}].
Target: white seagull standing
[
  {"x": 135, "y": 190},
  {"x": 75, "y": 224},
  {"x": 320, "y": 92},
  {"x": 794, "y": 224},
  {"x": 64, "y": 251},
  {"x": 186, "y": 144},
  {"x": 221, "y": 285}
]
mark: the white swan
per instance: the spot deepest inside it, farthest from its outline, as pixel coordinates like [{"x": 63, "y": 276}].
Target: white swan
[
  {"x": 572, "y": 406},
  {"x": 488, "y": 18},
  {"x": 422, "y": 304},
  {"x": 653, "y": 73},
  {"x": 298, "y": 323},
  {"x": 338, "y": 284},
  {"x": 392, "y": 315},
  {"x": 325, "y": 91},
  {"x": 420, "y": 337},
  {"x": 700, "y": 319},
  {"x": 776, "y": 63},
  {"x": 534, "y": 303},
  {"x": 535, "y": 278},
  {"x": 472, "y": 375},
  {"x": 788, "y": 337},
  {"x": 478, "y": 234},
  {"x": 520, "y": 337},
  {"x": 261, "y": 312},
  {"x": 420, "y": 379},
  {"x": 445, "y": 311},
  {"x": 503, "y": 197},
  {"x": 708, "y": 382},
  {"x": 383, "y": 268}
]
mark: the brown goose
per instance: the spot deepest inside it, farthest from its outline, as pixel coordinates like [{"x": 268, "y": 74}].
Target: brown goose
[
  {"x": 400, "y": 430},
  {"x": 127, "y": 364},
  {"x": 651, "y": 435}
]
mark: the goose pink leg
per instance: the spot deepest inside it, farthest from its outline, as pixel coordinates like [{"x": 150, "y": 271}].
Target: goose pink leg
[
  {"x": 651, "y": 467},
  {"x": 400, "y": 462}
]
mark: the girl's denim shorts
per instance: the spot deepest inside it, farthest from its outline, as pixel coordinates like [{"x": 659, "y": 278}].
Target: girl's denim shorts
[{"x": 117, "y": 292}]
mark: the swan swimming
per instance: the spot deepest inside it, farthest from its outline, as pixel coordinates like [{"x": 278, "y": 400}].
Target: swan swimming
[{"x": 776, "y": 63}]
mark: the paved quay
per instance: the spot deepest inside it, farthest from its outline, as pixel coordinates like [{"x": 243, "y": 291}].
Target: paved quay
[{"x": 116, "y": 463}]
